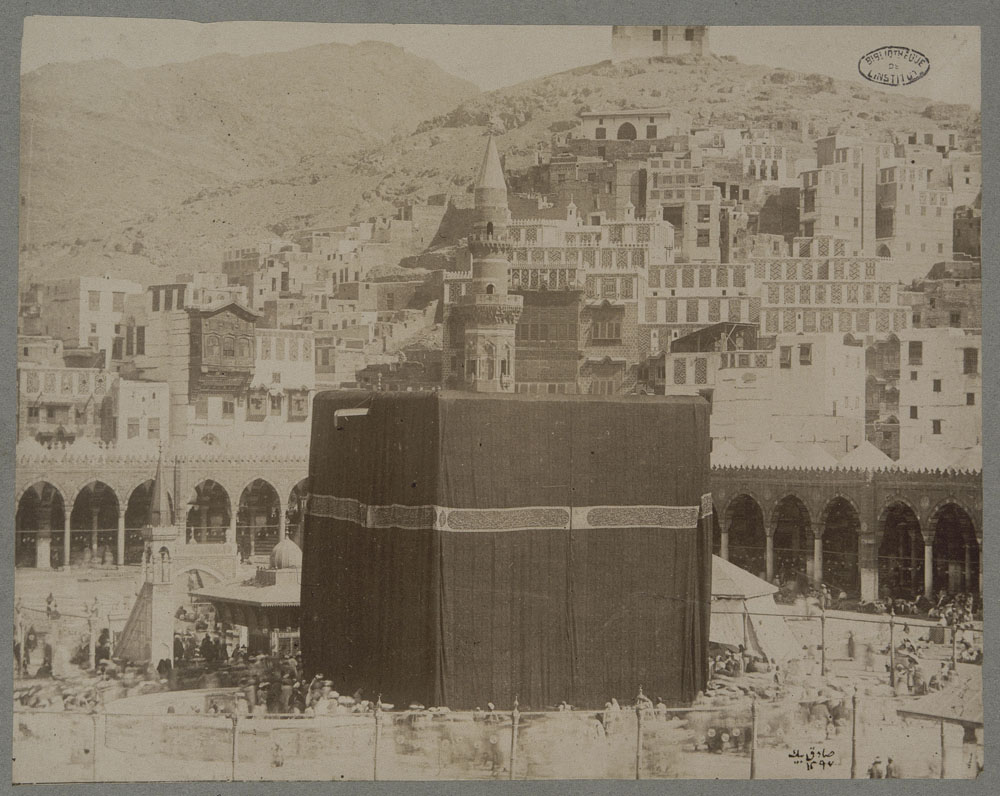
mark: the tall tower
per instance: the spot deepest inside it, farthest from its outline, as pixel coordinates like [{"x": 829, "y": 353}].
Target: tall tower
[{"x": 488, "y": 313}]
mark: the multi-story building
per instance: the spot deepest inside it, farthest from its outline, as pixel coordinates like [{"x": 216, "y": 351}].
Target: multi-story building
[
  {"x": 225, "y": 376},
  {"x": 678, "y": 190},
  {"x": 940, "y": 389},
  {"x": 950, "y": 295},
  {"x": 794, "y": 389},
  {"x": 914, "y": 220},
  {"x": 658, "y": 41},
  {"x": 85, "y": 312},
  {"x": 766, "y": 161},
  {"x": 822, "y": 290},
  {"x": 636, "y": 124}
]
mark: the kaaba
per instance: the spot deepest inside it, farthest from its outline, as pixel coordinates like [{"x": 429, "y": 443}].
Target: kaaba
[{"x": 464, "y": 548}]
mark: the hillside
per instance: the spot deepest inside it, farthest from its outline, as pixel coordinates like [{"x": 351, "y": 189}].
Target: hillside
[
  {"x": 105, "y": 148},
  {"x": 337, "y": 183}
]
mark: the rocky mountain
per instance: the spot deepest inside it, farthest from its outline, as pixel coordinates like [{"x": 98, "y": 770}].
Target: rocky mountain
[
  {"x": 106, "y": 149},
  {"x": 337, "y": 167}
]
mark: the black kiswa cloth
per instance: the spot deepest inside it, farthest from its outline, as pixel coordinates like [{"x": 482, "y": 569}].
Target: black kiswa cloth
[{"x": 564, "y": 591}]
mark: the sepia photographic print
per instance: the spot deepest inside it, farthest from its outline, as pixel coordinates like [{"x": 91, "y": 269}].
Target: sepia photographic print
[{"x": 441, "y": 402}]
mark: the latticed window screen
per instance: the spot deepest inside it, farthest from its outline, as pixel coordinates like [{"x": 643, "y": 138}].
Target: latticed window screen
[
  {"x": 608, "y": 288},
  {"x": 869, "y": 269},
  {"x": 884, "y": 292},
  {"x": 642, "y": 232},
  {"x": 704, "y": 277},
  {"x": 804, "y": 291},
  {"x": 538, "y": 255},
  {"x": 722, "y": 276},
  {"x": 735, "y": 311},
  {"x": 838, "y": 270},
  {"x": 627, "y": 287},
  {"x": 670, "y": 276},
  {"x": 754, "y": 310},
  {"x": 606, "y": 258},
  {"x": 775, "y": 270},
  {"x": 758, "y": 270},
  {"x": 739, "y": 276},
  {"x": 862, "y": 320},
  {"x": 714, "y": 306},
  {"x": 845, "y": 322},
  {"x": 839, "y": 248},
  {"x": 852, "y": 294},
  {"x": 671, "y": 311},
  {"x": 639, "y": 257},
  {"x": 687, "y": 277},
  {"x": 692, "y": 311},
  {"x": 531, "y": 235},
  {"x": 591, "y": 287},
  {"x": 791, "y": 271},
  {"x": 588, "y": 257},
  {"x": 700, "y": 370},
  {"x": 789, "y": 294},
  {"x": 820, "y": 294},
  {"x": 836, "y": 294},
  {"x": 855, "y": 270},
  {"x": 651, "y": 306},
  {"x": 869, "y": 294},
  {"x": 807, "y": 270},
  {"x": 773, "y": 294},
  {"x": 809, "y": 321},
  {"x": 899, "y": 319},
  {"x": 826, "y": 322},
  {"x": 760, "y": 360},
  {"x": 789, "y": 321},
  {"x": 824, "y": 247},
  {"x": 621, "y": 258},
  {"x": 882, "y": 321},
  {"x": 521, "y": 255},
  {"x": 680, "y": 371},
  {"x": 772, "y": 321},
  {"x": 555, "y": 255}
]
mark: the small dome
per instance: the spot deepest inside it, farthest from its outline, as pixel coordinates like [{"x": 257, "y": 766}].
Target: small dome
[{"x": 286, "y": 555}]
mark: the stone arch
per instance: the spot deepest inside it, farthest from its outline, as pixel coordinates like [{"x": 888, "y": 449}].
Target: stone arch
[
  {"x": 841, "y": 532},
  {"x": 258, "y": 518},
  {"x": 744, "y": 523},
  {"x": 883, "y": 251},
  {"x": 209, "y": 513},
  {"x": 792, "y": 532},
  {"x": 39, "y": 525},
  {"x": 136, "y": 518},
  {"x": 93, "y": 523},
  {"x": 956, "y": 548},
  {"x": 900, "y": 549},
  {"x": 626, "y": 132}
]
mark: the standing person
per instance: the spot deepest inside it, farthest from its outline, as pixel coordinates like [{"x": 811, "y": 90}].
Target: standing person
[
  {"x": 850, "y": 644},
  {"x": 869, "y": 657},
  {"x": 208, "y": 649},
  {"x": 221, "y": 652},
  {"x": 892, "y": 770},
  {"x": 875, "y": 771}
]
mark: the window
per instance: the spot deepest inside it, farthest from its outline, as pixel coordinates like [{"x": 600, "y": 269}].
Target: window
[
  {"x": 168, "y": 299},
  {"x": 936, "y": 385},
  {"x": 786, "y": 356},
  {"x": 201, "y": 407},
  {"x": 117, "y": 302},
  {"x": 275, "y": 405},
  {"x": 229, "y": 347},
  {"x": 93, "y": 328},
  {"x": 600, "y": 134},
  {"x": 116, "y": 348},
  {"x": 276, "y": 377},
  {"x": 913, "y": 413},
  {"x": 212, "y": 346},
  {"x": 955, "y": 319},
  {"x": 970, "y": 361},
  {"x": 836, "y": 221},
  {"x": 153, "y": 428},
  {"x": 704, "y": 214},
  {"x": 935, "y": 427},
  {"x": 688, "y": 34},
  {"x": 703, "y": 237},
  {"x": 940, "y": 248},
  {"x": 970, "y": 399},
  {"x": 916, "y": 351},
  {"x": 140, "y": 339},
  {"x": 33, "y": 414},
  {"x": 94, "y": 300},
  {"x": 650, "y": 131},
  {"x": 656, "y": 34},
  {"x": 805, "y": 354},
  {"x": 133, "y": 427},
  {"x": 913, "y": 375},
  {"x": 228, "y": 409}
]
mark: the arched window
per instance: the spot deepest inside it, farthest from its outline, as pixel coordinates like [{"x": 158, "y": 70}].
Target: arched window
[
  {"x": 212, "y": 346},
  {"x": 490, "y": 290},
  {"x": 244, "y": 345},
  {"x": 627, "y": 132},
  {"x": 489, "y": 229},
  {"x": 229, "y": 347}
]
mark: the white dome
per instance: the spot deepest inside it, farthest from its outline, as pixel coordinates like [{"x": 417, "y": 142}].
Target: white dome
[{"x": 286, "y": 555}]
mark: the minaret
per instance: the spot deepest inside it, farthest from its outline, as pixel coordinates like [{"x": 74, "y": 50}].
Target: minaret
[
  {"x": 490, "y": 313},
  {"x": 160, "y": 537}
]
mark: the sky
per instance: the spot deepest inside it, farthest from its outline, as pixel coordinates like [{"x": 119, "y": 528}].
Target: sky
[{"x": 496, "y": 56}]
